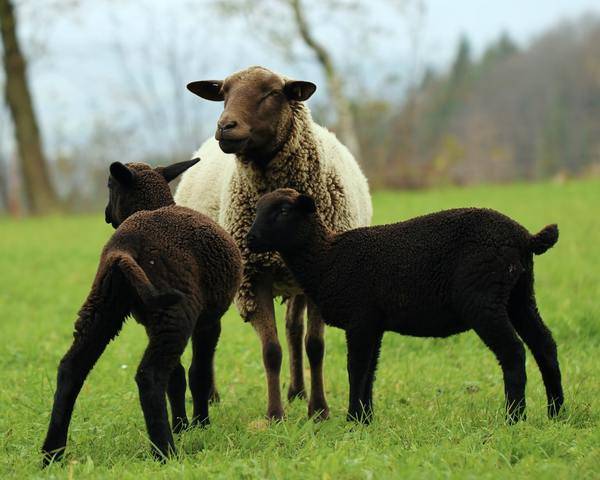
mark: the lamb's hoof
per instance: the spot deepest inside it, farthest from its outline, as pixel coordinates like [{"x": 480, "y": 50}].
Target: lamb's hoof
[
  {"x": 275, "y": 415},
  {"x": 180, "y": 425},
  {"x": 319, "y": 413},
  {"x": 294, "y": 393},
  {"x": 364, "y": 417},
  {"x": 51, "y": 456},
  {"x": 554, "y": 407},
  {"x": 200, "y": 422},
  {"x": 163, "y": 454},
  {"x": 515, "y": 416}
]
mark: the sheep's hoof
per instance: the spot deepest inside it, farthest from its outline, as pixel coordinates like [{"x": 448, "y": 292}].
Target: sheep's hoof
[
  {"x": 318, "y": 414},
  {"x": 214, "y": 397},
  {"x": 294, "y": 393},
  {"x": 275, "y": 415}
]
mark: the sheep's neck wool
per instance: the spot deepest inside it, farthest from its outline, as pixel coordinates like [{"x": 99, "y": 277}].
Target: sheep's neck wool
[{"x": 298, "y": 165}]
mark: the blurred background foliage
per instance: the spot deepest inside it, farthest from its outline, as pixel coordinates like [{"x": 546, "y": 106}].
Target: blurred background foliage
[{"x": 106, "y": 81}]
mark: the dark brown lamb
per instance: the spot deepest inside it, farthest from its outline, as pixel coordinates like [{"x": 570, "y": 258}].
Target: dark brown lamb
[
  {"x": 176, "y": 271},
  {"x": 431, "y": 276}
]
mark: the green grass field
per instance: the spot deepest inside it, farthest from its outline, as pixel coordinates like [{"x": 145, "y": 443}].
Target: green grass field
[{"x": 438, "y": 403}]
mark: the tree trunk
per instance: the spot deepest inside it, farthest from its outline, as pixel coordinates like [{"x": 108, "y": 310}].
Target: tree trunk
[
  {"x": 345, "y": 120},
  {"x": 41, "y": 197}
]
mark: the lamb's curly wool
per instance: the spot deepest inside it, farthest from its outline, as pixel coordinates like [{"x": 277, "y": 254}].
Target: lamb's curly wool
[
  {"x": 176, "y": 271},
  {"x": 431, "y": 276},
  {"x": 312, "y": 161}
]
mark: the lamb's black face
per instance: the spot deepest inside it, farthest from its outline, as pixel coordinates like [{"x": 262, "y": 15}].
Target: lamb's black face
[
  {"x": 137, "y": 186},
  {"x": 281, "y": 222},
  {"x": 121, "y": 185}
]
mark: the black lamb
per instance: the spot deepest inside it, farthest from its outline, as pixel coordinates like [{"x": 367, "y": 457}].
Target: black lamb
[
  {"x": 431, "y": 276},
  {"x": 176, "y": 271}
]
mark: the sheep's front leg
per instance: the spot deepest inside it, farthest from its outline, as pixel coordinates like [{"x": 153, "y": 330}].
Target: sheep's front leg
[
  {"x": 315, "y": 349},
  {"x": 361, "y": 345},
  {"x": 263, "y": 321},
  {"x": 162, "y": 355},
  {"x": 93, "y": 331}
]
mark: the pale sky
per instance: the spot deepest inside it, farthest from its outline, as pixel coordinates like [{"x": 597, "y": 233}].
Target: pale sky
[{"x": 78, "y": 78}]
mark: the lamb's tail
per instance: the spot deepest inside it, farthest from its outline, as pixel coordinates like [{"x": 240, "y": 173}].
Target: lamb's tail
[
  {"x": 544, "y": 239},
  {"x": 137, "y": 278}
]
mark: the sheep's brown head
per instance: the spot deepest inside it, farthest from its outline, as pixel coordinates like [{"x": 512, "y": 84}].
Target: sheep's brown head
[
  {"x": 285, "y": 221},
  {"x": 137, "y": 186},
  {"x": 257, "y": 115}
]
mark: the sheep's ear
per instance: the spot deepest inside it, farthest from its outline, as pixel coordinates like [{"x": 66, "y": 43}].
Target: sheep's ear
[
  {"x": 122, "y": 174},
  {"x": 173, "y": 171},
  {"x": 299, "y": 90},
  {"x": 208, "y": 89},
  {"x": 306, "y": 204}
]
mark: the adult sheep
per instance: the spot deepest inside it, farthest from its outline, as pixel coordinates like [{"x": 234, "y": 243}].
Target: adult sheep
[{"x": 266, "y": 139}]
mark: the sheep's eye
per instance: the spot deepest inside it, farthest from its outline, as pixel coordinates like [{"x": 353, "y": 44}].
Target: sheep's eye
[
  {"x": 272, "y": 93},
  {"x": 283, "y": 212}
]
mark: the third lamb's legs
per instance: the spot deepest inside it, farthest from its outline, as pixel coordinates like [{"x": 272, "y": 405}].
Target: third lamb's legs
[
  {"x": 368, "y": 391},
  {"x": 294, "y": 327},
  {"x": 361, "y": 345},
  {"x": 529, "y": 325},
  {"x": 315, "y": 350},
  {"x": 492, "y": 325}
]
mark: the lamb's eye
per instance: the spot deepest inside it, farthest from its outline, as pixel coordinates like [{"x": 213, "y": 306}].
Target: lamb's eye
[{"x": 283, "y": 212}]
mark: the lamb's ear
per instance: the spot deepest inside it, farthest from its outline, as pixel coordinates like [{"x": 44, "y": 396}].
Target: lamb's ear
[
  {"x": 306, "y": 203},
  {"x": 298, "y": 90},
  {"x": 173, "y": 171},
  {"x": 122, "y": 174},
  {"x": 208, "y": 89}
]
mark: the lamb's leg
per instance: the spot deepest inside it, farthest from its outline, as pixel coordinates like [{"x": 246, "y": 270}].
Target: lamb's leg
[
  {"x": 167, "y": 341},
  {"x": 93, "y": 331},
  {"x": 214, "y": 396},
  {"x": 176, "y": 394},
  {"x": 263, "y": 321},
  {"x": 294, "y": 327},
  {"x": 492, "y": 324},
  {"x": 204, "y": 343},
  {"x": 368, "y": 393},
  {"x": 361, "y": 345},
  {"x": 529, "y": 325},
  {"x": 315, "y": 350}
]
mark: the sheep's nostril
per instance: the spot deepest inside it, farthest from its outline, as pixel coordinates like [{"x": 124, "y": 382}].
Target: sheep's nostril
[{"x": 229, "y": 125}]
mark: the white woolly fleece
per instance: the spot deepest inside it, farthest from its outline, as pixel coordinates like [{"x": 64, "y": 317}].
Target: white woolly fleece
[{"x": 312, "y": 161}]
